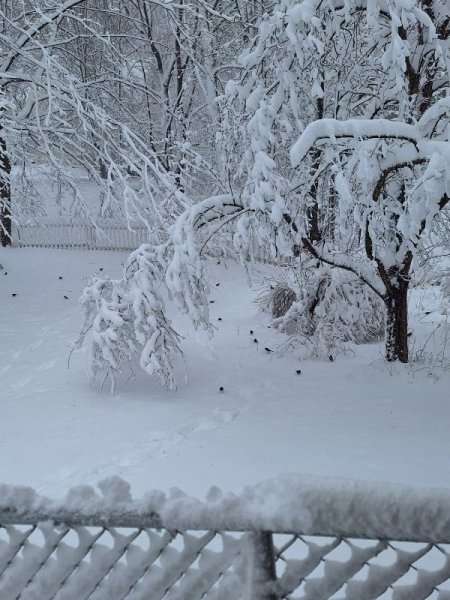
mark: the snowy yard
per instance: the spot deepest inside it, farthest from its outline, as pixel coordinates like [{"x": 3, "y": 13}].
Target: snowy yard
[
  {"x": 281, "y": 132},
  {"x": 356, "y": 417}
]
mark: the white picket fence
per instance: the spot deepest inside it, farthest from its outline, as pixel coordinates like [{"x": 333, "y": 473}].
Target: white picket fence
[
  {"x": 79, "y": 234},
  {"x": 108, "y": 234}
]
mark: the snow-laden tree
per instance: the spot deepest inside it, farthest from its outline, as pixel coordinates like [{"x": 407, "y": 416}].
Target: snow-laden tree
[
  {"x": 54, "y": 116},
  {"x": 374, "y": 159},
  {"x": 336, "y": 143}
]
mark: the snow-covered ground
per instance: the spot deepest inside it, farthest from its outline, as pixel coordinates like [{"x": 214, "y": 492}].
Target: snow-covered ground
[{"x": 356, "y": 417}]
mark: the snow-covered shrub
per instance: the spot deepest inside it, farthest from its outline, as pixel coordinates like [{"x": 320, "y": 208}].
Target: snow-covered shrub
[
  {"x": 283, "y": 298},
  {"x": 277, "y": 299},
  {"x": 332, "y": 307}
]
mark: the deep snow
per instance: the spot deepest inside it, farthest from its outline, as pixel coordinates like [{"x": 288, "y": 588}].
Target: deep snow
[{"x": 356, "y": 417}]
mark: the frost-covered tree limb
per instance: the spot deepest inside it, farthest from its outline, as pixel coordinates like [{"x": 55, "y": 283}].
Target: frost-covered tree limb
[
  {"x": 125, "y": 319},
  {"x": 360, "y": 129},
  {"x": 344, "y": 262}
]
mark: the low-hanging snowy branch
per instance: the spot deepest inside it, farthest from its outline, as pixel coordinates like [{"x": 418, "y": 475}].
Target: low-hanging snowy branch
[{"x": 125, "y": 319}]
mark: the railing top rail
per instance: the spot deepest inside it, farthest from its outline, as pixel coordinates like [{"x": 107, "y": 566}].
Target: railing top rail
[
  {"x": 298, "y": 505},
  {"x": 76, "y": 518}
]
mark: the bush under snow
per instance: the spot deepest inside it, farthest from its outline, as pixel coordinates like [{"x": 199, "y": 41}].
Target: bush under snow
[{"x": 322, "y": 308}]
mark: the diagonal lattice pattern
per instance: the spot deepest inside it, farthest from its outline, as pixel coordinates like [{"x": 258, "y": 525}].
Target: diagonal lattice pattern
[
  {"x": 58, "y": 562},
  {"x": 48, "y": 562},
  {"x": 352, "y": 569}
]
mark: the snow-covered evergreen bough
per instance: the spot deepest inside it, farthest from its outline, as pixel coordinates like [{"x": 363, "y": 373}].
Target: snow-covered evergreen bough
[{"x": 336, "y": 143}]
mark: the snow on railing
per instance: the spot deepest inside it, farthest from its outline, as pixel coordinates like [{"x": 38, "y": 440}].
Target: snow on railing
[{"x": 283, "y": 539}]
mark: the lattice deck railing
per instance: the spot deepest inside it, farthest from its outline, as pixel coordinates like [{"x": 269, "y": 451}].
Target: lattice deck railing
[{"x": 128, "y": 554}]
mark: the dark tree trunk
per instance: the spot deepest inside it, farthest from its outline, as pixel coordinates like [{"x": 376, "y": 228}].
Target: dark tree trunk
[
  {"x": 5, "y": 196},
  {"x": 102, "y": 169},
  {"x": 313, "y": 212},
  {"x": 396, "y": 301},
  {"x": 312, "y": 215}
]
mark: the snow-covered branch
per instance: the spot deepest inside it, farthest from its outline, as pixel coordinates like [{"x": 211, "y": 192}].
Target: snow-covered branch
[
  {"x": 30, "y": 32},
  {"x": 126, "y": 318},
  {"x": 360, "y": 129},
  {"x": 343, "y": 261}
]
